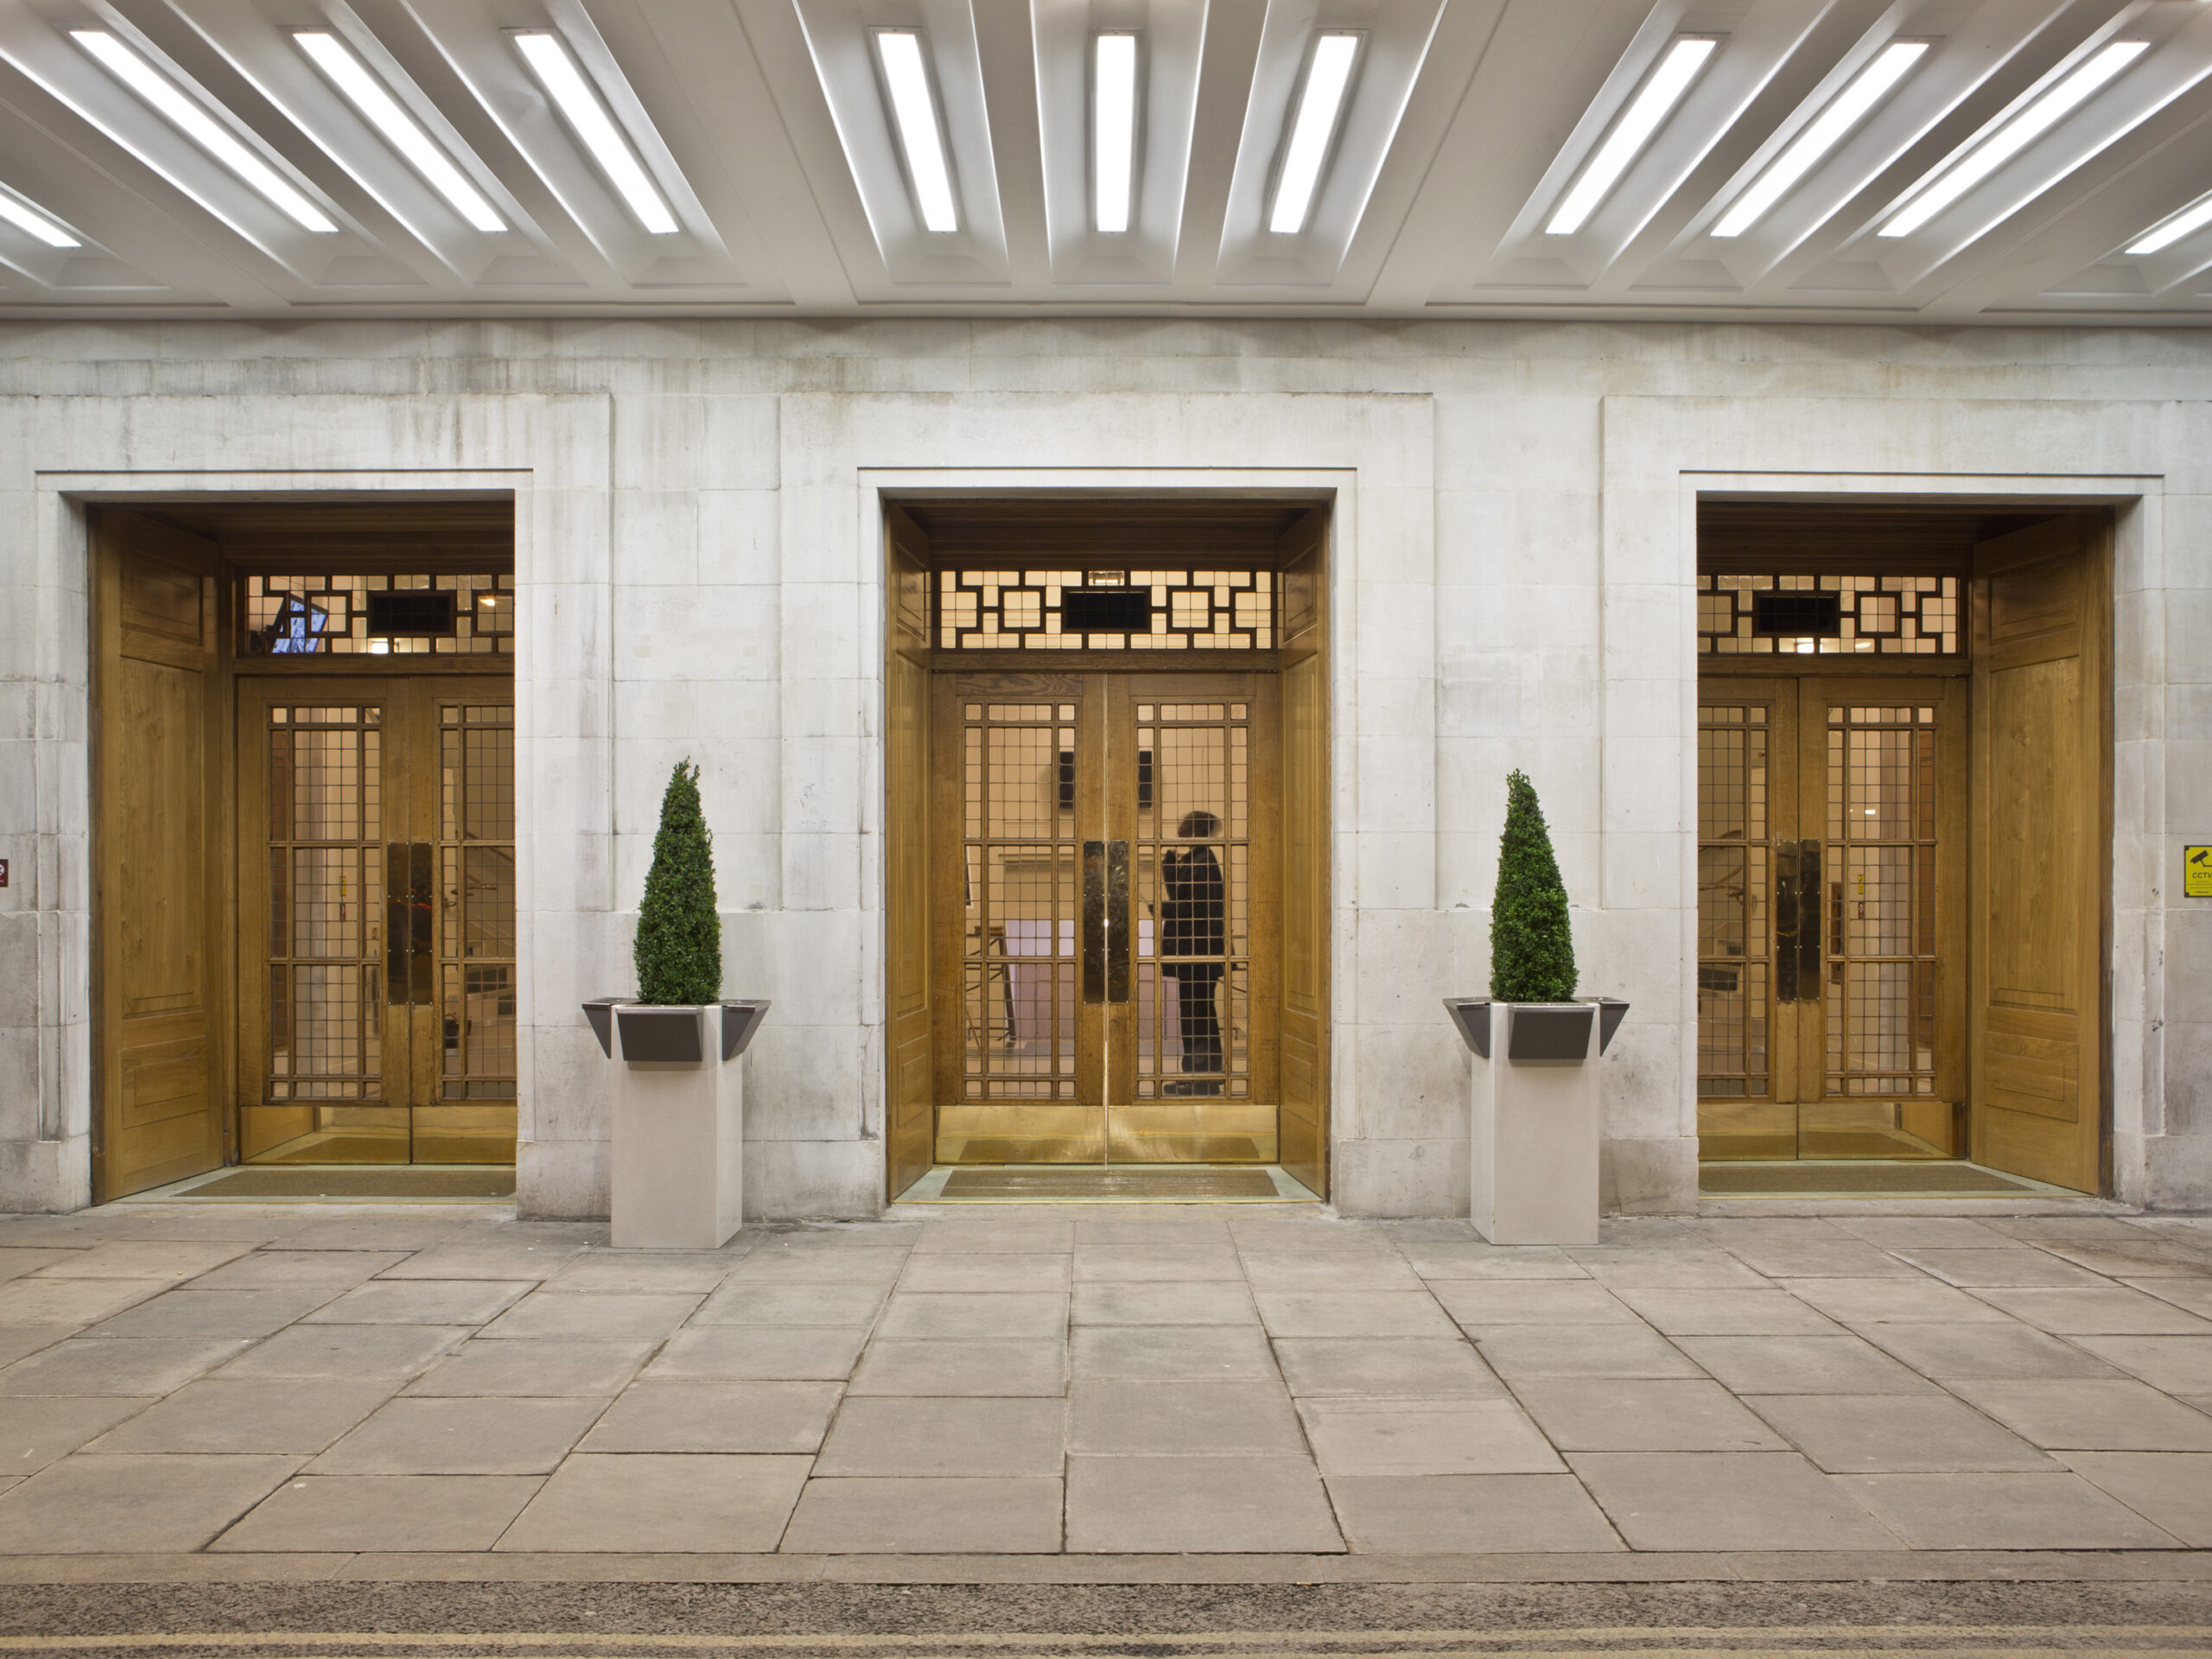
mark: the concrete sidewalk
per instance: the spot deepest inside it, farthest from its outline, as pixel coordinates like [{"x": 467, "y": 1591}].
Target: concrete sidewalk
[{"x": 1150, "y": 1393}]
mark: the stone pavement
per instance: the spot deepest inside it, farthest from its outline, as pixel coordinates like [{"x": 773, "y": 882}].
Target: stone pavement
[{"x": 270, "y": 1391}]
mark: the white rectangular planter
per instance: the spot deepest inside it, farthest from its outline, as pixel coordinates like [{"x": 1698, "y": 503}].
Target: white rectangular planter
[
  {"x": 1533, "y": 1125},
  {"x": 678, "y": 1128}
]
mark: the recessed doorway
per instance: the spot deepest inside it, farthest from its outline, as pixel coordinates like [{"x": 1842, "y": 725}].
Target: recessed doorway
[
  {"x": 1904, "y": 835},
  {"x": 1107, "y": 914}
]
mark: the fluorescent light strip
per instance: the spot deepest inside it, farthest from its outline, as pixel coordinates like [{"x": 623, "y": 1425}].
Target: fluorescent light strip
[
  {"x": 202, "y": 128},
  {"x": 37, "y": 224},
  {"x": 1824, "y": 133},
  {"x": 1954, "y": 177},
  {"x": 1645, "y": 111},
  {"x": 1318, "y": 103},
  {"x": 915, "y": 110},
  {"x": 1113, "y": 130},
  {"x": 401, "y": 131},
  {"x": 557, "y": 72},
  {"x": 2164, "y": 237}
]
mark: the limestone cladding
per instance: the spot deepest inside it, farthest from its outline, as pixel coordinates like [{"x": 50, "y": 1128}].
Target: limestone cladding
[{"x": 698, "y": 573}]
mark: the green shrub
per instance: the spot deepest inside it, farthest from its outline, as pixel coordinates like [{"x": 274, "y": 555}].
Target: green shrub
[
  {"x": 1531, "y": 947},
  {"x": 679, "y": 951}
]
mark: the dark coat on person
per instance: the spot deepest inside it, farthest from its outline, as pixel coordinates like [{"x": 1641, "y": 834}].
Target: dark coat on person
[{"x": 1191, "y": 922}]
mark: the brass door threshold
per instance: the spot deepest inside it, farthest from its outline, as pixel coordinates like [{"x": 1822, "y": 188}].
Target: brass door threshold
[{"x": 1107, "y": 1184}]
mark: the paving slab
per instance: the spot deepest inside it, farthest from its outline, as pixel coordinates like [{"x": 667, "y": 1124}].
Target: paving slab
[
  {"x": 2000, "y": 1511},
  {"x": 120, "y": 1505},
  {"x": 16, "y": 1262},
  {"x": 1353, "y": 1313},
  {"x": 1208, "y": 1505},
  {"x": 39, "y": 1299},
  {"x": 419, "y": 1229},
  {"x": 1802, "y": 1366},
  {"x": 695, "y": 1504},
  {"x": 1626, "y": 1268},
  {"x": 1352, "y": 1272},
  {"x": 1479, "y": 1261},
  {"x": 1621, "y": 1414},
  {"x": 963, "y": 1368},
  {"x": 18, "y": 1340},
  {"x": 772, "y": 1263},
  {"x": 1699, "y": 1312},
  {"x": 1815, "y": 1258},
  {"x": 534, "y": 1259},
  {"x": 1217, "y": 1353},
  {"x": 35, "y": 1430},
  {"x": 1453, "y": 1435},
  {"x": 421, "y": 1301},
  {"x": 382, "y": 1513},
  {"x": 521, "y": 1366},
  {"x": 2138, "y": 1258},
  {"x": 2089, "y": 1416},
  {"x": 172, "y": 1261},
  {"x": 761, "y": 1353},
  {"x": 271, "y": 1416},
  {"x": 1726, "y": 1500},
  {"x": 949, "y": 1515},
  {"x": 344, "y": 1352},
  {"x": 1890, "y": 1433},
  {"x": 1389, "y": 1367},
  {"x": 797, "y": 1305},
  {"x": 687, "y": 1415},
  {"x": 141, "y": 1366},
  {"x": 1419, "y": 1515},
  {"x": 689, "y": 1272},
  {"x": 1540, "y": 1302},
  {"x": 967, "y": 1316},
  {"x": 2171, "y": 1490},
  {"x": 1153, "y": 1303},
  {"x": 2018, "y": 1265},
  {"x": 2194, "y": 1294},
  {"x": 606, "y": 1316},
  {"x": 332, "y": 1270},
  {"x": 986, "y": 1273},
  {"x": 1028, "y": 1235},
  {"x": 2114, "y": 1310},
  {"x": 2008, "y": 1349},
  {"x": 1514, "y": 1351},
  {"x": 1156, "y": 1263},
  {"x": 1159, "y": 1418},
  {"x": 214, "y": 1313},
  {"x": 1936, "y": 1232},
  {"x": 502, "y": 1436},
  {"x": 1900, "y": 1301},
  {"x": 2174, "y": 1364},
  {"x": 922, "y": 1437}
]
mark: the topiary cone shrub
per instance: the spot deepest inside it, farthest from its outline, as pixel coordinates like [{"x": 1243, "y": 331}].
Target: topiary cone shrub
[
  {"x": 679, "y": 949},
  {"x": 1531, "y": 947}
]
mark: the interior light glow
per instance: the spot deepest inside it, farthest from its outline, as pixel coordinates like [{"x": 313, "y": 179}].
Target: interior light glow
[
  {"x": 1957, "y": 174},
  {"x": 2176, "y": 228},
  {"x": 1319, "y": 102},
  {"x": 1824, "y": 134},
  {"x": 401, "y": 131},
  {"x": 1113, "y": 129},
  {"x": 202, "y": 128},
  {"x": 1625, "y": 142},
  {"x": 915, "y": 110},
  {"x": 37, "y": 224},
  {"x": 557, "y": 72}
]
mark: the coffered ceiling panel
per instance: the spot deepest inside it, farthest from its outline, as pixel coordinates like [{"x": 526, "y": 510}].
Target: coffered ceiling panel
[{"x": 1949, "y": 160}]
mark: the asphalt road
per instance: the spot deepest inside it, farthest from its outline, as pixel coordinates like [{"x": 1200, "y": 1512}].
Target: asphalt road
[{"x": 405, "y": 1620}]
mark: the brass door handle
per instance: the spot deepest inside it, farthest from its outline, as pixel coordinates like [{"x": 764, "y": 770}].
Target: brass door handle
[
  {"x": 1797, "y": 921},
  {"x": 1117, "y": 921},
  {"x": 1094, "y": 921},
  {"x": 410, "y": 937}
]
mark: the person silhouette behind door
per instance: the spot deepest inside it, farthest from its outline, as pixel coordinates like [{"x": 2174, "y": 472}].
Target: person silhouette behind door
[{"x": 1190, "y": 926}]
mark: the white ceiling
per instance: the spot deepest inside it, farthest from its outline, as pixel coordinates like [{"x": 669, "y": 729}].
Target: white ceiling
[{"x": 764, "y": 124}]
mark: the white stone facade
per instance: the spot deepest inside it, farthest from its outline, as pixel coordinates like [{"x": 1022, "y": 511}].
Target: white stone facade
[{"x": 698, "y": 569}]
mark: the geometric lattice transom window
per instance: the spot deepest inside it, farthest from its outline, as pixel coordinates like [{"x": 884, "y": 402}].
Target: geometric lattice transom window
[
  {"x": 296, "y": 614},
  {"x": 1180, "y": 610},
  {"x": 1882, "y": 616}
]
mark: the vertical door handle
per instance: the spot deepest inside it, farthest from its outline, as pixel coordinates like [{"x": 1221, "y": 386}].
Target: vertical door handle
[
  {"x": 1810, "y": 906},
  {"x": 422, "y": 900},
  {"x": 1094, "y": 921},
  {"x": 1117, "y": 921},
  {"x": 1786, "y": 920},
  {"x": 397, "y": 927}
]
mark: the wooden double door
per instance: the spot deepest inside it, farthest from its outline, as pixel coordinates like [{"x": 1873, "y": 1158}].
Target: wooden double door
[
  {"x": 377, "y": 899},
  {"x": 1107, "y": 863}
]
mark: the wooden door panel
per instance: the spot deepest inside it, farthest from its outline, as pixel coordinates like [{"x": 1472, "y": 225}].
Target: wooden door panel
[{"x": 161, "y": 897}]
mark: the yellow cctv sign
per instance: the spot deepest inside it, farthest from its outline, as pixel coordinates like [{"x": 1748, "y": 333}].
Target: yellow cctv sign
[{"x": 2196, "y": 872}]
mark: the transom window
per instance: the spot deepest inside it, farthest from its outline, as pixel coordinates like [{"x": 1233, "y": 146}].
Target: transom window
[
  {"x": 1062, "y": 609},
  {"x": 1828, "y": 615},
  {"x": 287, "y": 614}
]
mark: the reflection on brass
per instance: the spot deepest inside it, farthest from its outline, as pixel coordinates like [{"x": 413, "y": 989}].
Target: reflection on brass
[
  {"x": 1186, "y": 1185},
  {"x": 398, "y": 934},
  {"x": 1094, "y": 921},
  {"x": 421, "y": 890},
  {"x": 1117, "y": 921},
  {"x": 1809, "y": 916},
  {"x": 1928, "y": 1179}
]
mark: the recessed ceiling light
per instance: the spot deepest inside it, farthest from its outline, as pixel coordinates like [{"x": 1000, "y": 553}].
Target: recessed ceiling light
[
  {"x": 202, "y": 128},
  {"x": 1328, "y": 72},
  {"x": 37, "y": 224},
  {"x": 1962, "y": 170},
  {"x": 1659, "y": 94},
  {"x": 914, "y": 108},
  {"x": 401, "y": 131},
  {"x": 2181, "y": 225},
  {"x": 1113, "y": 129},
  {"x": 587, "y": 118},
  {"x": 1826, "y": 132}
]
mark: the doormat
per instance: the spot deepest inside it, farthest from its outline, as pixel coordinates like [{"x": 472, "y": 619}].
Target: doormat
[
  {"x": 360, "y": 1181},
  {"x": 1790, "y": 1180},
  {"x": 1186, "y": 1185}
]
